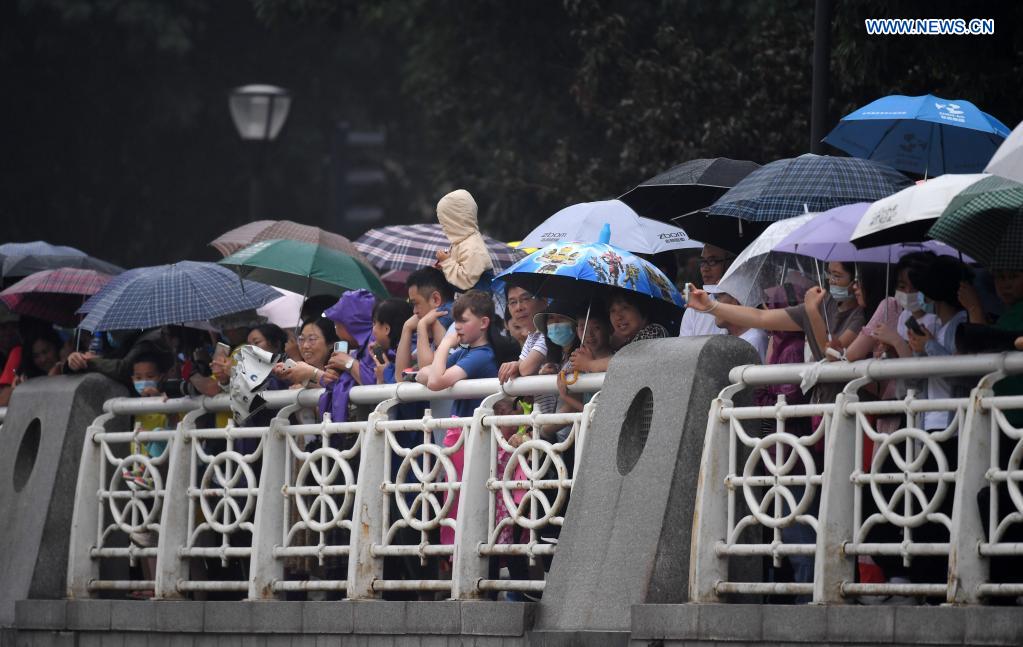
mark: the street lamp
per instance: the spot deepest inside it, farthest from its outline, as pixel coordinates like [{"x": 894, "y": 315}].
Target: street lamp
[{"x": 259, "y": 113}]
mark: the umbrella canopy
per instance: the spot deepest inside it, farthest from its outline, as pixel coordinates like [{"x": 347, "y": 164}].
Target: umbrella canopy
[
  {"x": 230, "y": 242},
  {"x": 986, "y": 221},
  {"x": 285, "y": 312},
  {"x": 688, "y": 187},
  {"x": 54, "y": 295},
  {"x": 1008, "y": 159},
  {"x": 22, "y": 259},
  {"x": 580, "y": 271},
  {"x": 305, "y": 268},
  {"x": 825, "y": 237},
  {"x": 411, "y": 247},
  {"x": 584, "y": 221},
  {"x": 926, "y": 135},
  {"x": 759, "y": 267},
  {"x": 907, "y": 215},
  {"x": 172, "y": 294},
  {"x": 786, "y": 188}
]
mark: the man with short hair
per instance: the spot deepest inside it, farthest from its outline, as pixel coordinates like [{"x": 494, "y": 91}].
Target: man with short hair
[{"x": 713, "y": 263}]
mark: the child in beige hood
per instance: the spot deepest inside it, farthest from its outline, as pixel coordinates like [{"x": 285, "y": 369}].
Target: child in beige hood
[{"x": 468, "y": 258}]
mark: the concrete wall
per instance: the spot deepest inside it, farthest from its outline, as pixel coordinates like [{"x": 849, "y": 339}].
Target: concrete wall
[{"x": 496, "y": 624}]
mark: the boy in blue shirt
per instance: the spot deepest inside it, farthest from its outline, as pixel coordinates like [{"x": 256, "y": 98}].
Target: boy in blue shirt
[{"x": 474, "y": 357}]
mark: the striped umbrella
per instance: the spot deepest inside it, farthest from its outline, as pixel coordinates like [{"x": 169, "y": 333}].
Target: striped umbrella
[
  {"x": 786, "y": 188},
  {"x": 260, "y": 230},
  {"x": 410, "y": 247},
  {"x": 985, "y": 220},
  {"x": 172, "y": 294},
  {"x": 54, "y": 295}
]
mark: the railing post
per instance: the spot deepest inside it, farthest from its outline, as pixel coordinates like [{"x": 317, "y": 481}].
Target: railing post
[
  {"x": 170, "y": 567},
  {"x": 967, "y": 569},
  {"x": 268, "y": 521},
  {"x": 368, "y": 507},
  {"x": 87, "y": 515},
  {"x": 710, "y": 520},
  {"x": 468, "y": 566},
  {"x": 832, "y": 566}
]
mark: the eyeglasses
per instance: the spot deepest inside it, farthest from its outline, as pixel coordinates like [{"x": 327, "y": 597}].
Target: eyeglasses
[
  {"x": 521, "y": 300},
  {"x": 711, "y": 262},
  {"x": 312, "y": 339}
]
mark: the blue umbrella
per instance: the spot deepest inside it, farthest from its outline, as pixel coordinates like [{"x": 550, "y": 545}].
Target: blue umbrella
[
  {"x": 926, "y": 135},
  {"x": 22, "y": 259},
  {"x": 172, "y": 294},
  {"x": 579, "y": 271}
]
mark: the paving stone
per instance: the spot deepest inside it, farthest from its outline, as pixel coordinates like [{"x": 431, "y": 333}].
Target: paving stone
[
  {"x": 806, "y": 623},
  {"x": 228, "y": 617},
  {"x": 488, "y": 618},
  {"x": 327, "y": 617},
  {"x": 930, "y": 625},
  {"x": 179, "y": 616},
  {"x": 433, "y": 617},
  {"x": 733, "y": 622},
  {"x": 378, "y": 617},
  {"x": 40, "y": 614},
  {"x": 653, "y": 621},
  {"x": 132, "y": 615},
  {"x": 854, "y": 624},
  {"x": 994, "y": 626},
  {"x": 273, "y": 616},
  {"x": 88, "y": 615}
]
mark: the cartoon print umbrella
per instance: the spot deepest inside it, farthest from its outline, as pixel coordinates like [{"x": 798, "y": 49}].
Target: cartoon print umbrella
[
  {"x": 580, "y": 271},
  {"x": 926, "y": 135}
]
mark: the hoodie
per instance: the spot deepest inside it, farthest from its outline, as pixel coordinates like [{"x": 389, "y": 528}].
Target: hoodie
[
  {"x": 469, "y": 258},
  {"x": 354, "y": 311}
]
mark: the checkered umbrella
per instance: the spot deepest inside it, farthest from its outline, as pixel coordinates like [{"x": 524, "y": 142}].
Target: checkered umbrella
[
  {"x": 22, "y": 259},
  {"x": 54, "y": 295},
  {"x": 259, "y": 230},
  {"x": 786, "y": 188},
  {"x": 172, "y": 294},
  {"x": 410, "y": 247},
  {"x": 986, "y": 221}
]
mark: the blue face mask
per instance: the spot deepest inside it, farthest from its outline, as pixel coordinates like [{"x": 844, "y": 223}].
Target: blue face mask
[
  {"x": 142, "y": 385},
  {"x": 561, "y": 334},
  {"x": 839, "y": 293}
]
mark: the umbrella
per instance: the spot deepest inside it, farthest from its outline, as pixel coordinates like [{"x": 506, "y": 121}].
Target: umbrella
[
  {"x": 304, "y": 268},
  {"x": 926, "y": 135},
  {"x": 580, "y": 271},
  {"x": 759, "y": 267},
  {"x": 172, "y": 294},
  {"x": 907, "y": 215},
  {"x": 285, "y": 311},
  {"x": 411, "y": 247},
  {"x": 22, "y": 259},
  {"x": 230, "y": 242},
  {"x": 786, "y": 188},
  {"x": 395, "y": 281},
  {"x": 54, "y": 295},
  {"x": 825, "y": 237},
  {"x": 688, "y": 187},
  {"x": 986, "y": 221},
  {"x": 1008, "y": 159},
  {"x": 583, "y": 221}
]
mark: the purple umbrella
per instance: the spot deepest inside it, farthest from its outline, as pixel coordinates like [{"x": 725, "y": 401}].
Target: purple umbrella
[{"x": 826, "y": 238}]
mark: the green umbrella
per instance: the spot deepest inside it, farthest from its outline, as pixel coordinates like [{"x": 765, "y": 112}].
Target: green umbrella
[
  {"x": 985, "y": 221},
  {"x": 303, "y": 267}
]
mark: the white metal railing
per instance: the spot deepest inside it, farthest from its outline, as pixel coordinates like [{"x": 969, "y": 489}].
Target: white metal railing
[
  {"x": 821, "y": 499},
  {"x": 264, "y": 510}
]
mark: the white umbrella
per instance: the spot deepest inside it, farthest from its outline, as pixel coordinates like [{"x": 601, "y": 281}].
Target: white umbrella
[
  {"x": 285, "y": 311},
  {"x": 582, "y": 223},
  {"x": 1008, "y": 159},
  {"x": 907, "y": 215},
  {"x": 758, "y": 267}
]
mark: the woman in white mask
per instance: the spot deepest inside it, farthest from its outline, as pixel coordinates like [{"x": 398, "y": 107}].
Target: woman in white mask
[{"x": 911, "y": 304}]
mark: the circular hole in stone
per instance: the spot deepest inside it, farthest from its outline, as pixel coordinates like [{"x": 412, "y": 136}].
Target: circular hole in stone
[
  {"x": 635, "y": 429},
  {"x": 26, "y": 458}
]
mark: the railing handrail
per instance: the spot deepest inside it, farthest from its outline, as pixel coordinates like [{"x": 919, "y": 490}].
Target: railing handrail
[{"x": 840, "y": 371}]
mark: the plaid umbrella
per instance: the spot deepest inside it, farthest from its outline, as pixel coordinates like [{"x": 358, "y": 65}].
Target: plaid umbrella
[
  {"x": 54, "y": 295},
  {"x": 259, "y": 230},
  {"x": 688, "y": 187},
  {"x": 410, "y": 247},
  {"x": 22, "y": 259},
  {"x": 986, "y": 221},
  {"x": 786, "y": 188},
  {"x": 172, "y": 294}
]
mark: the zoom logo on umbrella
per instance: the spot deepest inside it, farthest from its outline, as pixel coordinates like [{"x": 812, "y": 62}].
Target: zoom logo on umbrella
[{"x": 673, "y": 235}]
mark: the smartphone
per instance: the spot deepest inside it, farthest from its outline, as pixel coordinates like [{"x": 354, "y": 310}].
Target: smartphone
[
  {"x": 687, "y": 290},
  {"x": 915, "y": 326},
  {"x": 341, "y": 347},
  {"x": 379, "y": 353},
  {"x": 222, "y": 350}
]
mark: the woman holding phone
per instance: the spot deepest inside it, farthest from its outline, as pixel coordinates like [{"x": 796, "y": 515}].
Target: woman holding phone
[
  {"x": 315, "y": 343},
  {"x": 352, "y": 358}
]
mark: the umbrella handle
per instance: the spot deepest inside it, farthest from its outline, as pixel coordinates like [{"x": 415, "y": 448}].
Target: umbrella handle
[{"x": 570, "y": 380}]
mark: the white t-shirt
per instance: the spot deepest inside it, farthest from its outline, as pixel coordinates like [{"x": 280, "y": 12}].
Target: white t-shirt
[
  {"x": 929, "y": 321},
  {"x": 758, "y": 339},
  {"x": 944, "y": 343},
  {"x": 696, "y": 323}
]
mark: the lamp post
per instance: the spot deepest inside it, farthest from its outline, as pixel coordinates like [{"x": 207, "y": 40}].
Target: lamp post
[{"x": 259, "y": 113}]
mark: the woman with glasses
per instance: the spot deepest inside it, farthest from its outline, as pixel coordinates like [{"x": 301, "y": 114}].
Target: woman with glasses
[
  {"x": 315, "y": 344},
  {"x": 713, "y": 263}
]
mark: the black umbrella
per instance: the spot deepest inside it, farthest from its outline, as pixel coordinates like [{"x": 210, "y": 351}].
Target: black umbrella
[{"x": 688, "y": 187}]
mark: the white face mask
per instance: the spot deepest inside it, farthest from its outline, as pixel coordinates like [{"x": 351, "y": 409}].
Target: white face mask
[
  {"x": 840, "y": 293},
  {"x": 911, "y": 301}
]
